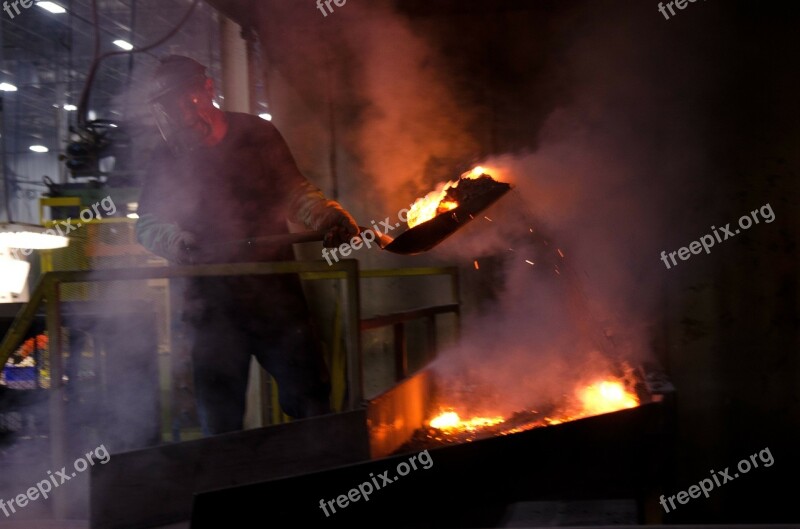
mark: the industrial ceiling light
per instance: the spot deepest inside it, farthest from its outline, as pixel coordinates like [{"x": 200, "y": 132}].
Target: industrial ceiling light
[
  {"x": 52, "y": 7},
  {"x": 124, "y": 44},
  {"x": 70, "y": 108},
  {"x": 265, "y": 115},
  {"x": 38, "y": 148},
  {"x": 30, "y": 237},
  {"x": 7, "y": 87}
]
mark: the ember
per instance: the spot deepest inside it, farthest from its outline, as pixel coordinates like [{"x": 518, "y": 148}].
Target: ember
[
  {"x": 450, "y": 420},
  {"x": 450, "y": 195},
  {"x": 605, "y": 395}
]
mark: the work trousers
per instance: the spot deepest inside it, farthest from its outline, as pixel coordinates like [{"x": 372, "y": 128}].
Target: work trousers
[{"x": 232, "y": 318}]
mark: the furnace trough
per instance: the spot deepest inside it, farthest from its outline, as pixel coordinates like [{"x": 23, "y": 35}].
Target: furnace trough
[
  {"x": 280, "y": 473},
  {"x": 611, "y": 456}
]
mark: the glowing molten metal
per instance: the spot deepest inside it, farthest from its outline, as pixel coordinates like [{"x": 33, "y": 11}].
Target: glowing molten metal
[
  {"x": 437, "y": 202},
  {"x": 603, "y": 396},
  {"x": 450, "y": 420}
]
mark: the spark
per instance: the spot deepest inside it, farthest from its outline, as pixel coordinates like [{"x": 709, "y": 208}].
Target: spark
[
  {"x": 476, "y": 265},
  {"x": 560, "y": 253},
  {"x": 530, "y": 262}
]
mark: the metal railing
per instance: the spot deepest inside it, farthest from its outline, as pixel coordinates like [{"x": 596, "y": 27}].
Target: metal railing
[
  {"x": 48, "y": 291},
  {"x": 398, "y": 320}
]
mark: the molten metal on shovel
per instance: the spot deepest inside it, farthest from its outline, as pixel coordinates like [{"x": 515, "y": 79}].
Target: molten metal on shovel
[
  {"x": 469, "y": 198},
  {"x": 462, "y": 202}
]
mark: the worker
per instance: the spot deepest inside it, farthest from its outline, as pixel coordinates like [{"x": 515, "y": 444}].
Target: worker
[{"x": 222, "y": 177}]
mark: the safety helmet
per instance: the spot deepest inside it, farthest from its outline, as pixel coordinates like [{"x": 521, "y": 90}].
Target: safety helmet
[
  {"x": 175, "y": 79},
  {"x": 175, "y": 73}
]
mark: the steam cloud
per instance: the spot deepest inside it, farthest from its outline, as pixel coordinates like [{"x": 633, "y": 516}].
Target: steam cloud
[
  {"x": 593, "y": 184},
  {"x": 581, "y": 121}
]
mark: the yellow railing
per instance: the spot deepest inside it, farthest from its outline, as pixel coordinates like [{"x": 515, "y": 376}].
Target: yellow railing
[{"x": 48, "y": 292}]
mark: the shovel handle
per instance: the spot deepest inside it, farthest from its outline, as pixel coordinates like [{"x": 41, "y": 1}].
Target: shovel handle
[
  {"x": 275, "y": 240},
  {"x": 279, "y": 240}
]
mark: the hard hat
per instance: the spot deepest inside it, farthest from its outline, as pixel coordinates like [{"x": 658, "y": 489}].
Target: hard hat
[{"x": 175, "y": 72}]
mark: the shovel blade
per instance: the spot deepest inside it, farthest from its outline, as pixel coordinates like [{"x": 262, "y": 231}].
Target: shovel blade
[{"x": 429, "y": 234}]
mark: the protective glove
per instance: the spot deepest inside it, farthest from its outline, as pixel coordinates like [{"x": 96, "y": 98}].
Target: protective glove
[
  {"x": 183, "y": 248},
  {"x": 340, "y": 226},
  {"x": 308, "y": 206},
  {"x": 167, "y": 240}
]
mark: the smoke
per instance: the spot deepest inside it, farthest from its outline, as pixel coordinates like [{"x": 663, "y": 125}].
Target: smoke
[
  {"x": 413, "y": 125},
  {"x": 573, "y": 251},
  {"x": 581, "y": 117},
  {"x": 115, "y": 334},
  {"x": 371, "y": 74}
]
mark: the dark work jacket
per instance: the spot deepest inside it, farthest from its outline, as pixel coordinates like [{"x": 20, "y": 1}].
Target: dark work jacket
[{"x": 246, "y": 186}]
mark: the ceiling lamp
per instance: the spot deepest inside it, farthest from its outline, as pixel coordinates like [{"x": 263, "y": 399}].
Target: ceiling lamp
[
  {"x": 30, "y": 237},
  {"x": 124, "y": 44},
  {"x": 52, "y": 7}
]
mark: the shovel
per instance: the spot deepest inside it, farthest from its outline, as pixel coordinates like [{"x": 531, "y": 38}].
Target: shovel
[
  {"x": 431, "y": 233},
  {"x": 416, "y": 240}
]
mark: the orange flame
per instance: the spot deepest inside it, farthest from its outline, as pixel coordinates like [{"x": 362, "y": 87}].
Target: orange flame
[
  {"x": 433, "y": 203},
  {"x": 604, "y": 396},
  {"x": 449, "y": 420}
]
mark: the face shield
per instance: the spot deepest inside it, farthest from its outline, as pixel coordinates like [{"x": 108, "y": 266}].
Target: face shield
[{"x": 183, "y": 122}]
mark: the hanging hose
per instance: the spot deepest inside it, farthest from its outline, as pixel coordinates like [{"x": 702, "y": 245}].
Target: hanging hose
[{"x": 84, "y": 101}]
